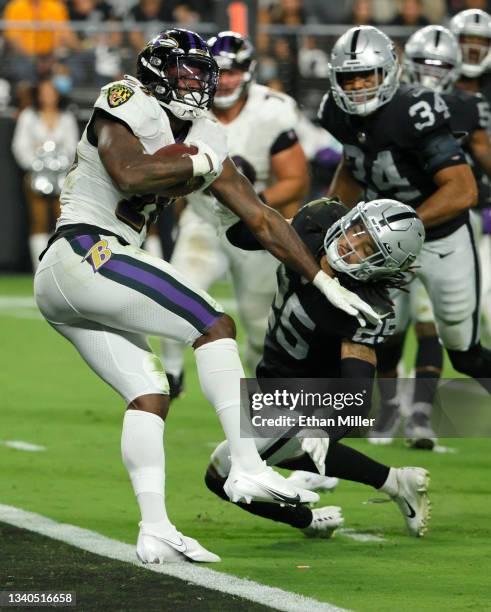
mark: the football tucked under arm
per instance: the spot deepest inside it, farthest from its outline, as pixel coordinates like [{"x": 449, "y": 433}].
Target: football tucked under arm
[{"x": 184, "y": 187}]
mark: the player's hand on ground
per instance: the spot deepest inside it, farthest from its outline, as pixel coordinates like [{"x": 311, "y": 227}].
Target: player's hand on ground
[{"x": 345, "y": 300}]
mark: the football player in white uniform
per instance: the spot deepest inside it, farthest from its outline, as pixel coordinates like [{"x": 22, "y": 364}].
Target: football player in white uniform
[
  {"x": 98, "y": 289},
  {"x": 260, "y": 127}
]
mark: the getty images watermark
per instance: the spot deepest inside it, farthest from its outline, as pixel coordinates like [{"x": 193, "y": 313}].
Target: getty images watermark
[{"x": 278, "y": 407}]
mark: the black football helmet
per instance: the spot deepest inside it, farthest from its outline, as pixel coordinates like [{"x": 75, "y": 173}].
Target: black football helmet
[
  {"x": 179, "y": 70},
  {"x": 233, "y": 51}
]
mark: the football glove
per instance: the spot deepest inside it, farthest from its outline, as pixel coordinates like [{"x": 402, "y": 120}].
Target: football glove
[{"x": 346, "y": 300}]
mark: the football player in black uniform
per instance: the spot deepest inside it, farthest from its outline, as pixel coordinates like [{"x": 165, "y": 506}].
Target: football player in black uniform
[
  {"x": 432, "y": 58},
  {"x": 366, "y": 249},
  {"x": 398, "y": 143}
]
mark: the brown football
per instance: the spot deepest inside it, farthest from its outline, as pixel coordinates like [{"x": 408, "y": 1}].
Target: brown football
[{"x": 185, "y": 187}]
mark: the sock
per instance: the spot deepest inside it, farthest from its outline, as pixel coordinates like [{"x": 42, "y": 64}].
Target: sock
[
  {"x": 220, "y": 371},
  {"x": 295, "y": 516},
  {"x": 37, "y": 244},
  {"x": 142, "y": 449},
  {"x": 153, "y": 246},
  {"x": 173, "y": 356},
  {"x": 346, "y": 463},
  {"x": 390, "y": 485},
  {"x": 429, "y": 363}
]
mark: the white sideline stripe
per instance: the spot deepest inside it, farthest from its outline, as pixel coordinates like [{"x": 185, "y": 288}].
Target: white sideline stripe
[
  {"x": 17, "y": 301},
  {"x": 98, "y": 544},
  {"x": 24, "y": 446},
  {"x": 359, "y": 536}
]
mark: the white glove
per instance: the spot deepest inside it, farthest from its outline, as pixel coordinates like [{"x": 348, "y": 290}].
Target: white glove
[
  {"x": 345, "y": 300},
  {"x": 317, "y": 449}
]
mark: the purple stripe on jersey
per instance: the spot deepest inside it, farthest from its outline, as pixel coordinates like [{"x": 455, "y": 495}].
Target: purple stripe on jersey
[
  {"x": 163, "y": 287},
  {"x": 85, "y": 241}
]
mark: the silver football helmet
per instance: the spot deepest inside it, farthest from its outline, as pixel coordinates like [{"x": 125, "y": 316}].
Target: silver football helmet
[
  {"x": 363, "y": 50},
  {"x": 476, "y": 54},
  {"x": 432, "y": 58},
  {"x": 375, "y": 240}
]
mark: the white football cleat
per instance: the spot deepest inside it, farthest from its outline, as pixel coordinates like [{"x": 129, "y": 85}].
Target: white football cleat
[
  {"x": 173, "y": 547},
  {"x": 266, "y": 486},
  {"x": 312, "y": 481},
  {"x": 324, "y": 523},
  {"x": 412, "y": 498}
]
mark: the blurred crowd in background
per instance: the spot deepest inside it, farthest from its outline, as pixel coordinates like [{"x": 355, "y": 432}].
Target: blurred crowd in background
[
  {"x": 56, "y": 54},
  {"x": 96, "y": 41}
]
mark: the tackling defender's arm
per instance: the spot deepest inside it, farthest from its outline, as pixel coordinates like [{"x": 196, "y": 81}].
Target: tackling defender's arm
[
  {"x": 130, "y": 168},
  {"x": 344, "y": 186}
]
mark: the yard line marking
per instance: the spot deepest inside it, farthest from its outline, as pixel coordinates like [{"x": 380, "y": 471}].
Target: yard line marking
[
  {"x": 359, "y": 536},
  {"x": 94, "y": 542},
  {"x": 24, "y": 446}
]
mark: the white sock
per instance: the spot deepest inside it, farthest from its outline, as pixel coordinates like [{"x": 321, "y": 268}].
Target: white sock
[
  {"x": 37, "y": 244},
  {"x": 154, "y": 246},
  {"x": 391, "y": 486},
  {"x": 142, "y": 449},
  {"x": 220, "y": 371},
  {"x": 173, "y": 356}
]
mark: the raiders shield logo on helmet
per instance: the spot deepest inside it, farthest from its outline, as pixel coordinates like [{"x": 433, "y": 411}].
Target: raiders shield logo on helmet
[{"x": 118, "y": 94}]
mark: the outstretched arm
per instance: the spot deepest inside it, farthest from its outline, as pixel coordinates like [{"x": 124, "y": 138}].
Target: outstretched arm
[{"x": 236, "y": 193}]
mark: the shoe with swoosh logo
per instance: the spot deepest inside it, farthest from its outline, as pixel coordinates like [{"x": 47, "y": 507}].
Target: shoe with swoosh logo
[
  {"x": 170, "y": 547},
  {"x": 266, "y": 486},
  {"x": 412, "y": 499}
]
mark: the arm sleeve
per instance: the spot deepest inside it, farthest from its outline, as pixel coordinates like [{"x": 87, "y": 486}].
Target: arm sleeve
[{"x": 23, "y": 147}]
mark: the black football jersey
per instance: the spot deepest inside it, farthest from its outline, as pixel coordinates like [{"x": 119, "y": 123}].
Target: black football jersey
[
  {"x": 395, "y": 151},
  {"x": 470, "y": 112},
  {"x": 305, "y": 330},
  {"x": 485, "y": 86}
]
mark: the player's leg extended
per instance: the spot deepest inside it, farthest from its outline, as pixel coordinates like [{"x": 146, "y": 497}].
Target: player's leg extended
[
  {"x": 428, "y": 368},
  {"x": 198, "y": 256},
  {"x": 406, "y": 486},
  {"x": 254, "y": 279},
  {"x": 453, "y": 284},
  {"x": 125, "y": 361}
]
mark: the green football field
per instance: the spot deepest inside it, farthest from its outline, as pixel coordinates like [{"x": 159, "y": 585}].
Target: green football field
[{"x": 49, "y": 397}]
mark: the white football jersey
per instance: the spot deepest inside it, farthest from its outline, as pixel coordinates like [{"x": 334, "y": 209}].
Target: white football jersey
[
  {"x": 89, "y": 194},
  {"x": 250, "y": 136}
]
